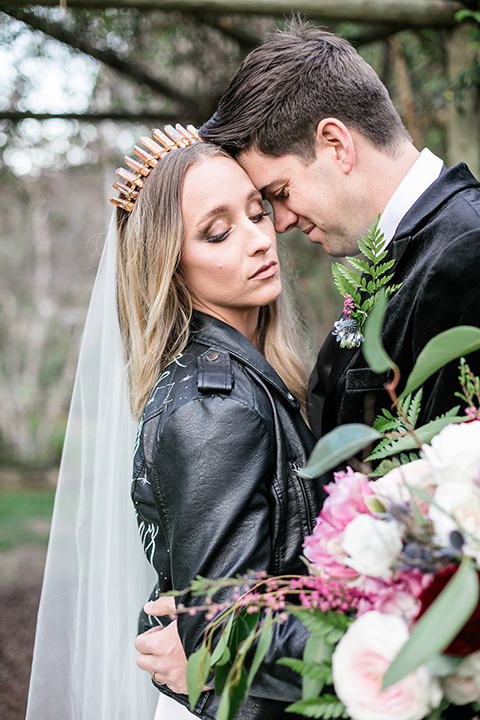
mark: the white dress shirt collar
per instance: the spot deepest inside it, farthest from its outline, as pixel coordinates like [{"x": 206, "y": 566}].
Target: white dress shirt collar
[{"x": 421, "y": 175}]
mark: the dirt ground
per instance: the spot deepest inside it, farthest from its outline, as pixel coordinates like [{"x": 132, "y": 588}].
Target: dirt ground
[{"x": 20, "y": 584}]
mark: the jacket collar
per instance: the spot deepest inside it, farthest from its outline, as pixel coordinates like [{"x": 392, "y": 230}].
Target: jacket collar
[
  {"x": 448, "y": 184},
  {"x": 214, "y": 333}
]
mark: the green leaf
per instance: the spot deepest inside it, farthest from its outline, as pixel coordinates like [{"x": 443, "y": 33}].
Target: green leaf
[
  {"x": 233, "y": 695},
  {"x": 360, "y": 265},
  {"x": 315, "y": 651},
  {"x": 198, "y": 668},
  {"x": 327, "y": 706},
  {"x": 242, "y": 626},
  {"x": 367, "y": 252},
  {"x": 440, "y": 350},
  {"x": 373, "y": 349},
  {"x": 235, "y": 684},
  {"x": 221, "y": 652},
  {"x": 425, "y": 433},
  {"x": 341, "y": 282},
  {"x": 443, "y": 665},
  {"x": 261, "y": 650},
  {"x": 414, "y": 409},
  {"x": 439, "y": 625},
  {"x": 317, "y": 670},
  {"x": 338, "y": 445}
]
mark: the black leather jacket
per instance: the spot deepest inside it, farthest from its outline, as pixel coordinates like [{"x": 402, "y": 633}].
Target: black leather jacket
[{"x": 216, "y": 493}]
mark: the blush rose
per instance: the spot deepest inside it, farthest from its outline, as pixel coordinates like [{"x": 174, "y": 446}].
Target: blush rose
[{"x": 359, "y": 663}]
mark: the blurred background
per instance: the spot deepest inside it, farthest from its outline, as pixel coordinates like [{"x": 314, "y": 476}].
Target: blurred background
[{"x": 79, "y": 83}]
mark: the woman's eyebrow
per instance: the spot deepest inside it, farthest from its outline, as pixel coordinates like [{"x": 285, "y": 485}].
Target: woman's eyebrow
[
  {"x": 217, "y": 210},
  {"x": 222, "y": 208}
]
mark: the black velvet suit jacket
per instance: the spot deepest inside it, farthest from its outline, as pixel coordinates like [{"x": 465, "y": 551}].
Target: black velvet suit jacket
[{"x": 437, "y": 251}]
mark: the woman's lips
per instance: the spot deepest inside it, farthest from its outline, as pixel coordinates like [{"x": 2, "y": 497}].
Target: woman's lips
[{"x": 266, "y": 271}]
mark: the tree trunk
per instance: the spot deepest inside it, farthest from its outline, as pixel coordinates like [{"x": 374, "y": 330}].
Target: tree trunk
[{"x": 463, "y": 123}]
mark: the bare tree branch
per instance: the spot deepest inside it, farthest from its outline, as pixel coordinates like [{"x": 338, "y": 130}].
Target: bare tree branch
[
  {"x": 118, "y": 115},
  {"x": 413, "y": 13},
  {"x": 108, "y": 57},
  {"x": 225, "y": 24}
]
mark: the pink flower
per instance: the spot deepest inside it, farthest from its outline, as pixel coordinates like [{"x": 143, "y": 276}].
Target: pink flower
[
  {"x": 398, "y": 595},
  {"x": 345, "y": 502},
  {"x": 359, "y": 663}
]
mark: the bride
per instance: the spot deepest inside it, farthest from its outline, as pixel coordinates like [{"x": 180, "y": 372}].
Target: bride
[{"x": 209, "y": 352}]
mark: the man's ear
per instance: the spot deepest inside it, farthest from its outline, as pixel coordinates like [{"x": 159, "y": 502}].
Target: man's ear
[{"x": 334, "y": 137}]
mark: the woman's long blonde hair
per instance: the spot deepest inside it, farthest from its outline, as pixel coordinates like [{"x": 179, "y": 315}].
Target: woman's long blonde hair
[{"x": 154, "y": 303}]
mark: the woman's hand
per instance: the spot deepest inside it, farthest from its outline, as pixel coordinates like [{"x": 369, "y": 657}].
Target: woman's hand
[{"x": 161, "y": 652}]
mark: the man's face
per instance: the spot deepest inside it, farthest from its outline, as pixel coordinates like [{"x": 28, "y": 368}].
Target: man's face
[{"x": 318, "y": 198}]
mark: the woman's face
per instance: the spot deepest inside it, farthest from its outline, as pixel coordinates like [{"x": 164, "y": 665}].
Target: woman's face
[{"x": 229, "y": 255}]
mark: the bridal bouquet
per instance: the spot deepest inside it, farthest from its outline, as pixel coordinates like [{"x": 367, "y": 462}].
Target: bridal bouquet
[{"x": 391, "y": 592}]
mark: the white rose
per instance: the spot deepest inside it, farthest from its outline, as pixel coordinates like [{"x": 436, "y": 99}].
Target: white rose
[
  {"x": 454, "y": 453},
  {"x": 458, "y": 509},
  {"x": 372, "y": 545},
  {"x": 463, "y": 686},
  {"x": 359, "y": 663},
  {"x": 391, "y": 488}
]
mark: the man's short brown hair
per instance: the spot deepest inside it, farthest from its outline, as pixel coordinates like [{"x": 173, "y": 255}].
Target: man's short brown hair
[{"x": 286, "y": 86}]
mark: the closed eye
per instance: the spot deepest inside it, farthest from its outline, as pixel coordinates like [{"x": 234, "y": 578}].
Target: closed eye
[
  {"x": 259, "y": 216},
  {"x": 218, "y": 238}
]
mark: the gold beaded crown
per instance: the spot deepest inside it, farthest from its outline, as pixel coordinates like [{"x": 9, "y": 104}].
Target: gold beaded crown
[{"x": 173, "y": 138}]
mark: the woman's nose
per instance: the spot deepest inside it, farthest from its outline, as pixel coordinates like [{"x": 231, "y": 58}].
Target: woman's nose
[{"x": 262, "y": 238}]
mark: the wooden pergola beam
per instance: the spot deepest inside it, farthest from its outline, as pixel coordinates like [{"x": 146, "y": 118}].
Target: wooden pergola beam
[{"x": 411, "y": 13}]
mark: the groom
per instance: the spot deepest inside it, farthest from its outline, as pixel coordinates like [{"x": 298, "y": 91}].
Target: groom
[{"x": 315, "y": 129}]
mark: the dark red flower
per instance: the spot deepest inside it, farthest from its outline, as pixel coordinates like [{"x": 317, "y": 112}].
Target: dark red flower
[{"x": 468, "y": 639}]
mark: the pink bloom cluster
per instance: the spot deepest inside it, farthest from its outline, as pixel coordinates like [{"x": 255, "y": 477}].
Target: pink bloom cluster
[
  {"x": 398, "y": 595},
  {"x": 395, "y": 592},
  {"x": 326, "y": 594},
  {"x": 345, "y": 502},
  {"x": 348, "y": 305}
]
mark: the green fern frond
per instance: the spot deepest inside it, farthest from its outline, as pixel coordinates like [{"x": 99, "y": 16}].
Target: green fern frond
[
  {"x": 350, "y": 275},
  {"x": 343, "y": 286},
  {"x": 414, "y": 409},
  {"x": 360, "y": 265},
  {"x": 321, "y": 671},
  {"x": 393, "y": 289},
  {"x": 326, "y": 707},
  {"x": 367, "y": 252}
]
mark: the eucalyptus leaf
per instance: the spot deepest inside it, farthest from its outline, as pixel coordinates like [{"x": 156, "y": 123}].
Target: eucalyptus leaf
[
  {"x": 234, "y": 694},
  {"x": 373, "y": 349},
  {"x": 440, "y": 350},
  {"x": 315, "y": 651},
  {"x": 443, "y": 665},
  {"x": 261, "y": 650},
  {"x": 440, "y": 624},
  {"x": 338, "y": 445},
  {"x": 198, "y": 668},
  {"x": 221, "y": 653}
]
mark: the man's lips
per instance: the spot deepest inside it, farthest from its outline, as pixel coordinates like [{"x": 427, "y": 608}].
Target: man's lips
[{"x": 266, "y": 271}]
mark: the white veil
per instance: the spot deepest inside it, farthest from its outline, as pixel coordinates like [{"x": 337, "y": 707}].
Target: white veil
[{"x": 96, "y": 576}]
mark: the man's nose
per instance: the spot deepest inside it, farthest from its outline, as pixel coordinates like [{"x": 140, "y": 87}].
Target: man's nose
[{"x": 284, "y": 219}]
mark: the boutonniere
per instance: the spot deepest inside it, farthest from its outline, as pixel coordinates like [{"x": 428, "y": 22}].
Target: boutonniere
[{"x": 360, "y": 284}]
